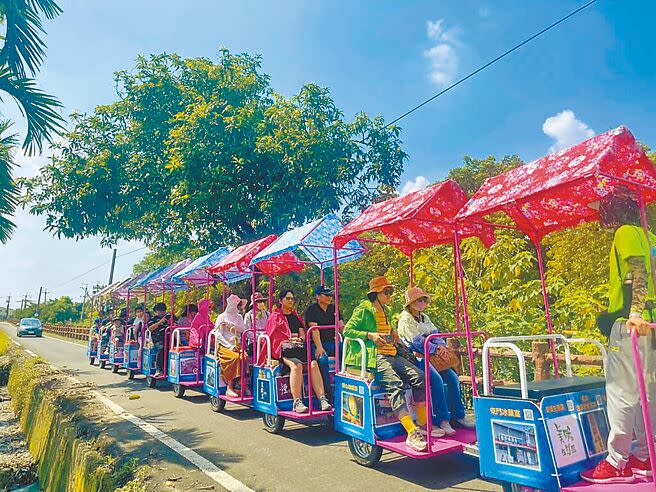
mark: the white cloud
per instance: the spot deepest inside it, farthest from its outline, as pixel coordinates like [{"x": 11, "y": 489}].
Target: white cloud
[
  {"x": 419, "y": 183},
  {"x": 566, "y": 130},
  {"x": 442, "y": 56}
]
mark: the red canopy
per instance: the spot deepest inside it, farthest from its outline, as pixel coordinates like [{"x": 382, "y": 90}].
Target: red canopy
[
  {"x": 417, "y": 220},
  {"x": 555, "y": 192},
  {"x": 238, "y": 260}
]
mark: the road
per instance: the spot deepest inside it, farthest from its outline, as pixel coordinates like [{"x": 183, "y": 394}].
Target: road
[{"x": 300, "y": 458}]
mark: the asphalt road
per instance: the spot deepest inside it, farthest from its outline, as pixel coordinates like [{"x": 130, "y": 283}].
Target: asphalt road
[{"x": 300, "y": 458}]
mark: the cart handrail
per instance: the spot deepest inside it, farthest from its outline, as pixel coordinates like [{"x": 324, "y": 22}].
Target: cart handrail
[
  {"x": 551, "y": 336},
  {"x": 363, "y": 355},
  {"x": 597, "y": 343},
  {"x": 494, "y": 342},
  {"x": 213, "y": 333},
  {"x": 268, "y": 345},
  {"x": 308, "y": 348},
  {"x": 176, "y": 339},
  {"x": 148, "y": 336}
]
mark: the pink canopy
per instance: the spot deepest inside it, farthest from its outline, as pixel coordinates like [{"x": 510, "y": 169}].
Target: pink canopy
[
  {"x": 239, "y": 260},
  {"x": 417, "y": 220},
  {"x": 555, "y": 192}
]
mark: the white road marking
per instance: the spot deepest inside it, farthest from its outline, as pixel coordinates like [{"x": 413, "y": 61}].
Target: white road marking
[
  {"x": 207, "y": 467},
  {"x": 16, "y": 342},
  {"x": 30, "y": 352},
  {"x": 63, "y": 341}
]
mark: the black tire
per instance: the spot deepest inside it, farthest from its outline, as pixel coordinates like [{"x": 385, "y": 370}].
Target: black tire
[
  {"x": 364, "y": 453},
  {"x": 103, "y": 363},
  {"x": 330, "y": 421},
  {"x": 18, "y": 334},
  {"x": 114, "y": 368},
  {"x": 131, "y": 374},
  {"x": 39, "y": 335},
  {"x": 217, "y": 404},
  {"x": 151, "y": 382},
  {"x": 273, "y": 423},
  {"x": 92, "y": 361},
  {"x": 178, "y": 390}
]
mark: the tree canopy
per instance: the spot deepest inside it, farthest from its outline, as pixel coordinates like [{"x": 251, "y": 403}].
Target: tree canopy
[{"x": 202, "y": 153}]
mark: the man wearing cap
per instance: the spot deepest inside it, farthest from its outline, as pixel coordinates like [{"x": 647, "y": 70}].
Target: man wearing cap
[{"x": 322, "y": 313}]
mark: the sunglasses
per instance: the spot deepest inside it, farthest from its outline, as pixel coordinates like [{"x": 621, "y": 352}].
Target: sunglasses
[
  {"x": 422, "y": 299},
  {"x": 388, "y": 291},
  {"x": 287, "y": 298}
]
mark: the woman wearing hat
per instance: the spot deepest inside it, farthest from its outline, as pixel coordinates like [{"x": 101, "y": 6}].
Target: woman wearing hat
[
  {"x": 229, "y": 327},
  {"x": 262, "y": 313},
  {"x": 414, "y": 326},
  {"x": 371, "y": 322}
]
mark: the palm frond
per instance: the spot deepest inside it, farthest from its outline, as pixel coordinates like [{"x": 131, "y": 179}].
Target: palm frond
[
  {"x": 39, "y": 108},
  {"x": 8, "y": 188},
  {"x": 23, "y": 49}
]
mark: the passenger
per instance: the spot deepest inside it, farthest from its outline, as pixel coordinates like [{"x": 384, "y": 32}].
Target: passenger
[
  {"x": 262, "y": 313},
  {"x": 157, "y": 327},
  {"x": 322, "y": 313},
  {"x": 229, "y": 327},
  {"x": 371, "y": 322},
  {"x": 136, "y": 327},
  {"x": 414, "y": 326},
  {"x": 242, "y": 307},
  {"x": 118, "y": 329},
  {"x": 187, "y": 315},
  {"x": 630, "y": 268},
  {"x": 201, "y": 325},
  {"x": 285, "y": 330}
]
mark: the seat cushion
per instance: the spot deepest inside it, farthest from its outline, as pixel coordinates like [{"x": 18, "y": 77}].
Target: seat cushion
[{"x": 549, "y": 387}]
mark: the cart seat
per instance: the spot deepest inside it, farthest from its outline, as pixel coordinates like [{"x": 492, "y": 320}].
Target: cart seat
[{"x": 549, "y": 387}]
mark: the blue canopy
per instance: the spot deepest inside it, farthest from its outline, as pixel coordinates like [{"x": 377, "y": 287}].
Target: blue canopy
[
  {"x": 315, "y": 240},
  {"x": 196, "y": 272},
  {"x": 154, "y": 278}
]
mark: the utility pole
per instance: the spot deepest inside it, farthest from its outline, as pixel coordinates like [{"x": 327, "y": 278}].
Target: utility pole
[
  {"x": 45, "y": 296},
  {"x": 111, "y": 270},
  {"x": 8, "y": 302},
  {"x": 38, "y": 302},
  {"x": 24, "y": 302},
  {"x": 84, "y": 299}
]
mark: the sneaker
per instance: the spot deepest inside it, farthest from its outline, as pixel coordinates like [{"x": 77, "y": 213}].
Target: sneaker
[
  {"x": 325, "y": 404},
  {"x": 299, "y": 407},
  {"x": 435, "y": 431},
  {"x": 158, "y": 374},
  {"x": 638, "y": 467},
  {"x": 416, "y": 441},
  {"x": 607, "y": 473},
  {"x": 446, "y": 427},
  {"x": 465, "y": 423}
]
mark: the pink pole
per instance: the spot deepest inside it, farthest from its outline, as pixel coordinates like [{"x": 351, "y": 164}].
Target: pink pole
[
  {"x": 309, "y": 359},
  {"x": 321, "y": 273},
  {"x": 547, "y": 311},
  {"x": 644, "y": 402},
  {"x": 412, "y": 270},
  {"x": 456, "y": 278},
  {"x": 470, "y": 348},
  {"x": 270, "y": 293},
  {"x": 336, "y": 287},
  {"x": 645, "y": 227}
]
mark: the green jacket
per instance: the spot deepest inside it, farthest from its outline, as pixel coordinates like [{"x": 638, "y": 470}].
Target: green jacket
[{"x": 363, "y": 321}]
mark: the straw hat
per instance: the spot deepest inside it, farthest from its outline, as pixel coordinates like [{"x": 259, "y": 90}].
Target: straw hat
[
  {"x": 412, "y": 294},
  {"x": 378, "y": 284},
  {"x": 257, "y": 297}
]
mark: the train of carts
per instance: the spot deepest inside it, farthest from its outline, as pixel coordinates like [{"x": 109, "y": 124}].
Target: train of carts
[{"x": 532, "y": 435}]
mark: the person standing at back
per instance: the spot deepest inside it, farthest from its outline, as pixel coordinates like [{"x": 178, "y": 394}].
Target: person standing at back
[{"x": 632, "y": 304}]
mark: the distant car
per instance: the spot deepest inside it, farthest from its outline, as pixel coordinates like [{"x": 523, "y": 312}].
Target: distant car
[{"x": 30, "y": 326}]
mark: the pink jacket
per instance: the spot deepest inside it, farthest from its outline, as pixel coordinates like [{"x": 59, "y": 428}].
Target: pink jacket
[
  {"x": 278, "y": 330},
  {"x": 201, "y": 325}
]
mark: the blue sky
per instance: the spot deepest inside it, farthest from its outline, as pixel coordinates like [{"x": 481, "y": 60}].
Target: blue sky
[{"x": 595, "y": 72}]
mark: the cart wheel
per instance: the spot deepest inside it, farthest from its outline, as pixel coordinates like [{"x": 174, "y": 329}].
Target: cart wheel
[
  {"x": 151, "y": 382},
  {"x": 178, "y": 390},
  {"x": 131, "y": 374},
  {"x": 514, "y": 487},
  {"x": 102, "y": 364},
  {"x": 217, "y": 404},
  {"x": 92, "y": 360},
  {"x": 114, "y": 368},
  {"x": 330, "y": 421},
  {"x": 364, "y": 453},
  {"x": 273, "y": 423}
]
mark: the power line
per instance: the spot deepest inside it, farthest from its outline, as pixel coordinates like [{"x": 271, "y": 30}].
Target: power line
[{"x": 492, "y": 62}]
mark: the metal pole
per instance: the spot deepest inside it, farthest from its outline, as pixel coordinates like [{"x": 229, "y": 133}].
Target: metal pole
[
  {"x": 111, "y": 270},
  {"x": 470, "y": 348},
  {"x": 38, "y": 302},
  {"x": 547, "y": 311},
  {"x": 336, "y": 289},
  {"x": 8, "y": 302},
  {"x": 412, "y": 269},
  {"x": 456, "y": 279}
]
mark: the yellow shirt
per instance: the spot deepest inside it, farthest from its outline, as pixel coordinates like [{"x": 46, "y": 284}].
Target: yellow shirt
[{"x": 383, "y": 326}]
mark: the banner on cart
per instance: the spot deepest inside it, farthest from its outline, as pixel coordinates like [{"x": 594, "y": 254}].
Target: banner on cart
[{"x": 566, "y": 440}]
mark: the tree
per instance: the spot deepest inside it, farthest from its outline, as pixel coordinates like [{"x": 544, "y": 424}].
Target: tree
[
  {"x": 198, "y": 154},
  {"x": 22, "y": 54},
  {"x": 473, "y": 172}
]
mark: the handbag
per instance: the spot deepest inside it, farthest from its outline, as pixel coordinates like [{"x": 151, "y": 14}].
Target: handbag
[{"x": 445, "y": 358}]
